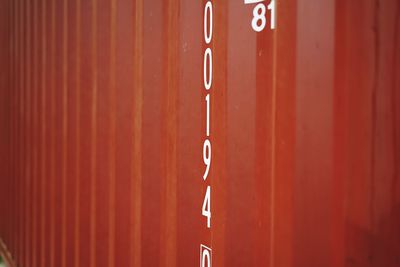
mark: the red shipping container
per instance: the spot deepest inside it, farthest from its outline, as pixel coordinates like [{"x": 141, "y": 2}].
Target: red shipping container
[{"x": 211, "y": 133}]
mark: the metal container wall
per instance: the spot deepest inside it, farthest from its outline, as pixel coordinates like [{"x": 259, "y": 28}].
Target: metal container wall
[{"x": 103, "y": 123}]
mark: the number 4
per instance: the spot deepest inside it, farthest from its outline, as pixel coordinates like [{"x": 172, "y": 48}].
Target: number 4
[{"x": 206, "y": 209}]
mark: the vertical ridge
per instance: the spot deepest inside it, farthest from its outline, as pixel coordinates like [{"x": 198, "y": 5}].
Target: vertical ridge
[
  {"x": 219, "y": 123},
  {"x": 43, "y": 136},
  {"x": 27, "y": 149},
  {"x": 64, "y": 135},
  {"x": 136, "y": 218},
  {"x": 169, "y": 233},
  {"x": 273, "y": 142},
  {"x": 77, "y": 134},
  {"x": 395, "y": 119},
  {"x": 375, "y": 88},
  {"x": 34, "y": 141},
  {"x": 112, "y": 138},
  {"x": 15, "y": 136},
  {"x": 93, "y": 208},
  {"x": 21, "y": 77},
  {"x": 52, "y": 138}
]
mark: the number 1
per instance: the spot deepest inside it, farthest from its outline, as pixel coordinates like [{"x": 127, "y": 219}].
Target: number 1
[{"x": 272, "y": 7}]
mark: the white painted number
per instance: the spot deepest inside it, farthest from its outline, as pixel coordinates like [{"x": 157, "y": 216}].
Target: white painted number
[
  {"x": 206, "y": 209},
  {"x": 208, "y": 26},
  {"x": 205, "y": 260},
  {"x": 259, "y": 20},
  {"x": 259, "y": 14},
  {"x": 207, "y": 63},
  {"x": 206, "y": 157},
  {"x": 208, "y": 115},
  {"x": 271, "y": 7},
  {"x": 205, "y": 252}
]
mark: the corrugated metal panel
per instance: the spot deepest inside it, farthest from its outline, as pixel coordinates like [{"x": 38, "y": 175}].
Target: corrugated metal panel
[{"x": 103, "y": 118}]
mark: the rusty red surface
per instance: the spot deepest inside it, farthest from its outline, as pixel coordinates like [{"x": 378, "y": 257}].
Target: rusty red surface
[{"x": 103, "y": 121}]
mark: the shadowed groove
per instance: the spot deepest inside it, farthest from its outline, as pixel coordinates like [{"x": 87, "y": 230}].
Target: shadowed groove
[
  {"x": 11, "y": 122},
  {"x": 22, "y": 110},
  {"x": 7, "y": 113}
]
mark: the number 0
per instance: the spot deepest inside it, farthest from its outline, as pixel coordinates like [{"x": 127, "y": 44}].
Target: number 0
[{"x": 205, "y": 258}]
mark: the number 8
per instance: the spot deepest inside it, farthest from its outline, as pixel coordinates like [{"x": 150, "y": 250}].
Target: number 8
[{"x": 259, "y": 15}]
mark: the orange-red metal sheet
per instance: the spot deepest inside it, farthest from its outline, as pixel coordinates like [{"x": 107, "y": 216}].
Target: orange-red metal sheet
[{"x": 106, "y": 117}]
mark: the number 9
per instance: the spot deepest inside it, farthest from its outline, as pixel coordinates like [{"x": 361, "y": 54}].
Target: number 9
[{"x": 206, "y": 157}]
